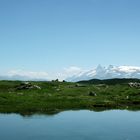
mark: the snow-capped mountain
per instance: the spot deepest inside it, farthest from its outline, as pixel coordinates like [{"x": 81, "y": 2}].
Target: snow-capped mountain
[{"x": 107, "y": 73}]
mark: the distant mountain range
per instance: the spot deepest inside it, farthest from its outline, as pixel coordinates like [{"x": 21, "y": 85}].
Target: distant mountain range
[
  {"x": 99, "y": 72},
  {"x": 107, "y": 73}
]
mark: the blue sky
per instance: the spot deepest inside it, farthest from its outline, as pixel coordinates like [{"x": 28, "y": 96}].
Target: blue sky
[{"x": 49, "y": 35}]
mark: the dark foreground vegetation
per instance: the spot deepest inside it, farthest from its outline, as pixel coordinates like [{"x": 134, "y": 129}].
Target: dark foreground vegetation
[{"x": 52, "y": 97}]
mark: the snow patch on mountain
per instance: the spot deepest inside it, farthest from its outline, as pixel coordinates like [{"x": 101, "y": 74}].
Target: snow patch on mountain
[{"x": 109, "y": 72}]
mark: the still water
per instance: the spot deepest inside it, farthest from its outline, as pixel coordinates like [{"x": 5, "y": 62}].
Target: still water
[{"x": 72, "y": 125}]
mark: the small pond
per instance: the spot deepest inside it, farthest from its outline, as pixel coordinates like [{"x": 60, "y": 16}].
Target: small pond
[{"x": 72, "y": 125}]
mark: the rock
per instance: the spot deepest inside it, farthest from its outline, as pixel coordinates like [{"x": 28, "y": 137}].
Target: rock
[
  {"x": 19, "y": 93},
  {"x": 91, "y": 93},
  {"x": 27, "y": 85},
  {"x": 80, "y": 85},
  {"x": 135, "y": 84},
  {"x": 57, "y": 89},
  {"x": 35, "y": 86},
  {"x": 56, "y": 80},
  {"x": 127, "y": 97}
]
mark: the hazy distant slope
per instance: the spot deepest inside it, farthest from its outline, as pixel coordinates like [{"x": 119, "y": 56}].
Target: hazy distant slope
[{"x": 109, "y": 81}]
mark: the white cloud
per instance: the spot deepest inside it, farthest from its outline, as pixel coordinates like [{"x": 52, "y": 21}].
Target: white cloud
[
  {"x": 72, "y": 70},
  {"x": 128, "y": 69},
  {"x": 28, "y": 74},
  {"x": 66, "y": 72}
]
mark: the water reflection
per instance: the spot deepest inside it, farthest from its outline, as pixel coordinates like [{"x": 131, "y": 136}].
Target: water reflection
[{"x": 72, "y": 125}]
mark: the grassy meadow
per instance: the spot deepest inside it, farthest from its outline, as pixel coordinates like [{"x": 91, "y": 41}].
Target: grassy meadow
[{"x": 55, "y": 96}]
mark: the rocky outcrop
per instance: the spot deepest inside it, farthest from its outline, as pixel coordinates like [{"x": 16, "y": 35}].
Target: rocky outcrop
[
  {"x": 27, "y": 85},
  {"x": 135, "y": 84}
]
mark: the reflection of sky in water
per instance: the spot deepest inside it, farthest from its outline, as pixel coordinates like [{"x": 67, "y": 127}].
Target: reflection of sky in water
[{"x": 72, "y": 125}]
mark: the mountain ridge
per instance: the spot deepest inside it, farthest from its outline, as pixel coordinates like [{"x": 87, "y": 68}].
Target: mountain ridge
[{"x": 113, "y": 81}]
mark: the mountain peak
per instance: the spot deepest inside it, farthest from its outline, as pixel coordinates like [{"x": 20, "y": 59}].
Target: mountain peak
[{"x": 99, "y": 68}]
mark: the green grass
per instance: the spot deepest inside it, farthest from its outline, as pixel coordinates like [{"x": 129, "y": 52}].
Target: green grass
[{"x": 58, "y": 96}]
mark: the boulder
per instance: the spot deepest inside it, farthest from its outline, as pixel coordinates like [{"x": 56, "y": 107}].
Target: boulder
[
  {"x": 27, "y": 85},
  {"x": 91, "y": 93}
]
